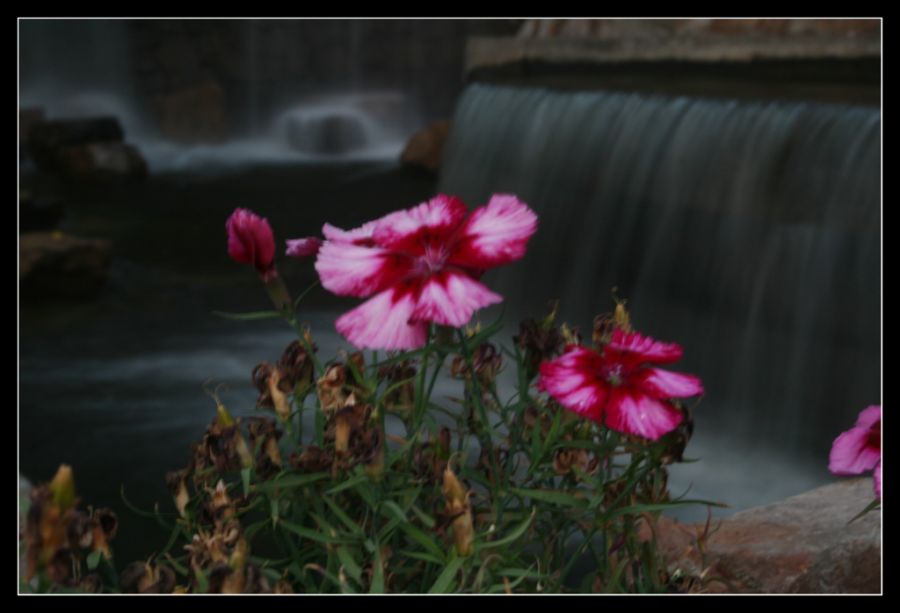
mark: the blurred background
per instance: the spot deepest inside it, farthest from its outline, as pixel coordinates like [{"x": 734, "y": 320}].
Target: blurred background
[{"x": 723, "y": 175}]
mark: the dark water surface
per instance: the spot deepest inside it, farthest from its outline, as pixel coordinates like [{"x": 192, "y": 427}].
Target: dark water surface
[{"x": 114, "y": 386}]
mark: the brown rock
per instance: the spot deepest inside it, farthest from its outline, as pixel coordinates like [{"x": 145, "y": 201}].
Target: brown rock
[
  {"x": 100, "y": 162},
  {"x": 802, "y": 544},
  {"x": 56, "y": 265},
  {"x": 426, "y": 147},
  {"x": 193, "y": 115}
]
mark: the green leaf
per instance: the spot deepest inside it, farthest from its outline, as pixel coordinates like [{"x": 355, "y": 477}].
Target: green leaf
[
  {"x": 303, "y": 294},
  {"x": 553, "y": 496},
  {"x": 445, "y": 579},
  {"x": 513, "y": 536},
  {"x": 350, "y": 565},
  {"x": 346, "y": 485},
  {"x": 93, "y": 559},
  {"x": 312, "y": 534},
  {"x": 343, "y": 517},
  {"x": 424, "y": 540},
  {"x": 249, "y": 316},
  {"x": 875, "y": 504},
  {"x": 636, "y": 509},
  {"x": 417, "y": 555},
  {"x": 245, "y": 481},
  {"x": 291, "y": 480},
  {"x": 377, "y": 586}
]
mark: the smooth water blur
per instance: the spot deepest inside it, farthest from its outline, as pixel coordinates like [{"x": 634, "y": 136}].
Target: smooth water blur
[{"x": 749, "y": 232}]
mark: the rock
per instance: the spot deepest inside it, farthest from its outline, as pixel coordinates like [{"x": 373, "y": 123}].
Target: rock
[
  {"x": 39, "y": 211},
  {"x": 802, "y": 544},
  {"x": 193, "y": 115},
  {"x": 48, "y": 137},
  {"x": 102, "y": 162},
  {"x": 329, "y": 133},
  {"x": 55, "y": 265},
  {"x": 426, "y": 147}
]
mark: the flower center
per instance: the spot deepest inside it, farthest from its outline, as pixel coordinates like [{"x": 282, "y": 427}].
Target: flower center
[
  {"x": 432, "y": 260},
  {"x": 613, "y": 374}
]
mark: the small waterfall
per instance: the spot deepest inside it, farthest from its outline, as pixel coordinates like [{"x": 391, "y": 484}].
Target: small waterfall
[{"x": 747, "y": 231}]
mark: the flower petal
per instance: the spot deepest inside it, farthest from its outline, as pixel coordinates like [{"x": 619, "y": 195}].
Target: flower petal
[
  {"x": 633, "y": 412},
  {"x": 411, "y": 230},
  {"x": 495, "y": 234},
  {"x": 571, "y": 379},
  {"x": 303, "y": 247},
  {"x": 358, "y": 236},
  {"x": 876, "y": 477},
  {"x": 382, "y": 322},
  {"x": 665, "y": 384},
  {"x": 869, "y": 416},
  {"x": 353, "y": 270},
  {"x": 851, "y": 454},
  {"x": 449, "y": 298},
  {"x": 643, "y": 348}
]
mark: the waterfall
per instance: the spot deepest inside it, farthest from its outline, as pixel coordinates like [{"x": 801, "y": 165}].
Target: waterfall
[{"x": 747, "y": 231}]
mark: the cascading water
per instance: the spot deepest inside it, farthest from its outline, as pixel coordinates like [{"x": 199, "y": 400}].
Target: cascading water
[{"x": 747, "y": 231}]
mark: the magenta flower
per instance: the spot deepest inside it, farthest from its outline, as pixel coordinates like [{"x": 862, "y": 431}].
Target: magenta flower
[
  {"x": 303, "y": 247},
  {"x": 618, "y": 386},
  {"x": 859, "y": 449},
  {"x": 421, "y": 265},
  {"x": 250, "y": 240}
]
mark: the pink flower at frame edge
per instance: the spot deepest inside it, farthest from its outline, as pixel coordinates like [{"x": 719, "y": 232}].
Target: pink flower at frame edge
[
  {"x": 858, "y": 450},
  {"x": 250, "y": 240},
  {"x": 421, "y": 265},
  {"x": 618, "y": 387}
]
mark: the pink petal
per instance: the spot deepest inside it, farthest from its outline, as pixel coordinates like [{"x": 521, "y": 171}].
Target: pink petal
[
  {"x": 303, "y": 247},
  {"x": 495, "y": 234},
  {"x": 851, "y": 453},
  {"x": 643, "y": 348},
  {"x": 358, "y": 236},
  {"x": 450, "y": 298},
  {"x": 411, "y": 230},
  {"x": 876, "y": 477},
  {"x": 633, "y": 412},
  {"x": 353, "y": 270},
  {"x": 869, "y": 416},
  {"x": 665, "y": 384},
  {"x": 571, "y": 380},
  {"x": 382, "y": 322},
  {"x": 250, "y": 239}
]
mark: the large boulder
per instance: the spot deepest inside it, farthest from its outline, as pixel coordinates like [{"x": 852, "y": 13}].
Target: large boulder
[
  {"x": 335, "y": 132},
  {"x": 426, "y": 147},
  {"x": 803, "y": 544},
  {"x": 102, "y": 162},
  {"x": 85, "y": 150},
  {"x": 57, "y": 266}
]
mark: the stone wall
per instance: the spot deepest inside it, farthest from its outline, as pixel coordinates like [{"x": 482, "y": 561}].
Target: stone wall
[{"x": 817, "y": 59}]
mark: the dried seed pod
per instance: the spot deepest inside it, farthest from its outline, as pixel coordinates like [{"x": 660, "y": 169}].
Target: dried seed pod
[
  {"x": 457, "y": 506},
  {"x": 176, "y": 481}
]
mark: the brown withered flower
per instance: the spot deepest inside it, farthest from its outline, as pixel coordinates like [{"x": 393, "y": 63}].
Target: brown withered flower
[
  {"x": 430, "y": 458},
  {"x": 399, "y": 378},
  {"x": 486, "y": 362},
  {"x": 147, "y": 578},
  {"x": 297, "y": 367},
  {"x": 330, "y": 388},
  {"x": 677, "y": 440},
  {"x": 500, "y": 458},
  {"x": 457, "y": 506},
  {"x": 313, "y": 459},
  {"x": 540, "y": 340},
  {"x": 264, "y": 435},
  {"x": 47, "y": 532},
  {"x": 176, "y": 481},
  {"x": 564, "y": 460}
]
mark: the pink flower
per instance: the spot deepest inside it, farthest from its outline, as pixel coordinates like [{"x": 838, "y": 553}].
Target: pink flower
[
  {"x": 618, "y": 386},
  {"x": 303, "y": 247},
  {"x": 250, "y": 240},
  {"x": 859, "y": 449},
  {"x": 421, "y": 265}
]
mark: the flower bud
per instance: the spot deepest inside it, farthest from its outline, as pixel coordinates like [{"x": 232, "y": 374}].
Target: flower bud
[
  {"x": 63, "y": 487},
  {"x": 250, "y": 240},
  {"x": 457, "y": 506}
]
